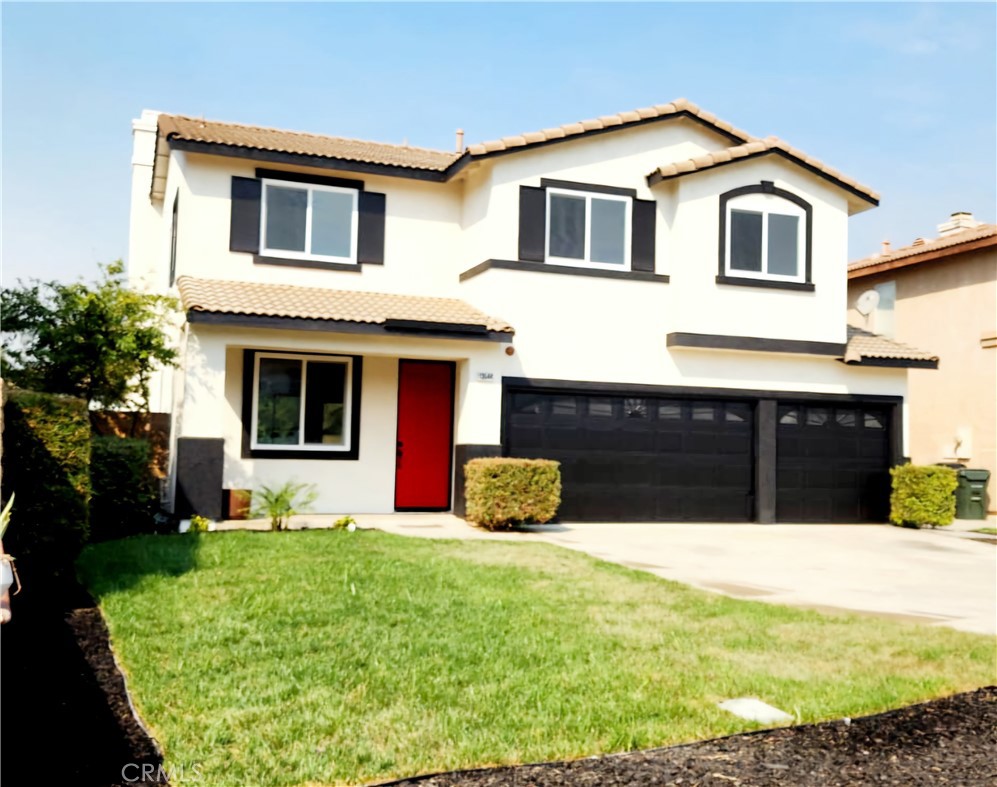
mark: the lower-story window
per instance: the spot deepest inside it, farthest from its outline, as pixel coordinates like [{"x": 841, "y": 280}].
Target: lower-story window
[{"x": 301, "y": 402}]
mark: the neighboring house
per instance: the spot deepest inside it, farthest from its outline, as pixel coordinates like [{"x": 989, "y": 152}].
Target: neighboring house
[
  {"x": 942, "y": 293},
  {"x": 652, "y": 298}
]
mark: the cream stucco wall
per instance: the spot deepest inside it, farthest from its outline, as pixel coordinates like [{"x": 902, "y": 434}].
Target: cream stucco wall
[
  {"x": 421, "y": 232},
  {"x": 490, "y": 217},
  {"x": 212, "y": 407},
  {"x": 948, "y": 306}
]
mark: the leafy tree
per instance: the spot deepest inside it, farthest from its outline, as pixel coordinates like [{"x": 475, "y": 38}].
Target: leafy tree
[{"x": 99, "y": 342}]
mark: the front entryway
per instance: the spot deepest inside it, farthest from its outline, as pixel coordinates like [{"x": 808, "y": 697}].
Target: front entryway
[{"x": 425, "y": 435}]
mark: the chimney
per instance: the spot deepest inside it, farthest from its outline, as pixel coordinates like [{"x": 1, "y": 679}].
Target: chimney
[
  {"x": 886, "y": 248},
  {"x": 460, "y": 140},
  {"x": 919, "y": 242},
  {"x": 959, "y": 221}
]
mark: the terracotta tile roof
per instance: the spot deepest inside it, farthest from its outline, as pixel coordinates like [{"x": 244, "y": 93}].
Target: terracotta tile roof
[
  {"x": 178, "y": 127},
  {"x": 604, "y": 122},
  {"x": 296, "y": 142},
  {"x": 316, "y": 303},
  {"x": 944, "y": 242},
  {"x": 753, "y": 148},
  {"x": 862, "y": 344}
]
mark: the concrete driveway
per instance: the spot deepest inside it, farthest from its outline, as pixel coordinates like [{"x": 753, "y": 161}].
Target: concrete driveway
[
  {"x": 940, "y": 577},
  {"x": 922, "y": 575},
  {"x": 930, "y": 576}
]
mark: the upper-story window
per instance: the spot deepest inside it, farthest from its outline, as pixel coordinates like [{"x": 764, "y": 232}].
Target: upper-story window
[
  {"x": 766, "y": 237},
  {"x": 309, "y": 222},
  {"x": 306, "y": 220},
  {"x": 588, "y": 229}
]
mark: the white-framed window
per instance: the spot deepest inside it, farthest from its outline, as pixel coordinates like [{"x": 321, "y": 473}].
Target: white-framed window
[
  {"x": 766, "y": 237},
  {"x": 588, "y": 229},
  {"x": 301, "y": 402},
  {"x": 309, "y": 222}
]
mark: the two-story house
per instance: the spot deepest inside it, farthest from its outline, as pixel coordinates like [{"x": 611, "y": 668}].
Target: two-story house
[{"x": 653, "y": 298}]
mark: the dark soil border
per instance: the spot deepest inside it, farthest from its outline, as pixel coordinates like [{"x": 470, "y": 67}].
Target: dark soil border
[
  {"x": 67, "y": 717},
  {"x": 949, "y": 741}
]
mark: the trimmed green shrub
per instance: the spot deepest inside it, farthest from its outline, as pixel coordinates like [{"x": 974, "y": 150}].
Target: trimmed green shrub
[
  {"x": 125, "y": 496},
  {"x": 503, "y": 492},
  {"x": 923, "y": 495},
  {"x": 46, "y": 462}
]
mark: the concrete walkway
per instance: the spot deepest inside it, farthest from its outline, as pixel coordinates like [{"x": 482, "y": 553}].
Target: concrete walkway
[{"x": 945, "y": 577}]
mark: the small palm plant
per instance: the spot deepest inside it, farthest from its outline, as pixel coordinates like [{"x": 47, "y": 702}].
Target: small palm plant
[{"x": 279, "y": 504}]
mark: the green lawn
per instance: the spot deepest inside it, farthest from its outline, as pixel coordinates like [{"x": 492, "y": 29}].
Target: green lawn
[{"x": 329, "y": 657}]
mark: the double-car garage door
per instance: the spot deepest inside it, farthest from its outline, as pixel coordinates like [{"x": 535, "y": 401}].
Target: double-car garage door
[{"x": 659, "y": 458}]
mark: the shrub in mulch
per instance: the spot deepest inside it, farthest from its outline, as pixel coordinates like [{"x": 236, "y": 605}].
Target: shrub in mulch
[
  {"x": 923, "y": 495},
  {"x": 949, "y": 741},
  {"x": 505, "y": 492}
]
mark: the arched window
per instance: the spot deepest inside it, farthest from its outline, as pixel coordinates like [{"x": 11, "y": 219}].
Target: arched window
[{"x": 765, "y": 237}]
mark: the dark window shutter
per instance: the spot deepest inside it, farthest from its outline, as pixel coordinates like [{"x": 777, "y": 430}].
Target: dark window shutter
[
  {"x": 244, "y": 234},
  {"x": 642, "y": 235},
  {"x": 532, "y": 223},
  {"x": 370, "y": 243}
]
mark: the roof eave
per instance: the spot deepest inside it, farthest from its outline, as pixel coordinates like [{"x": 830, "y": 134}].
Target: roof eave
[
  {"x": 894, "y": 363},
  {"x": 307, "y": 160},
  {"x": 389, "y": 326}
]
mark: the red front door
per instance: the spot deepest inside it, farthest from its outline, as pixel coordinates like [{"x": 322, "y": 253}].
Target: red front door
[{"x": 425, "y": 435}]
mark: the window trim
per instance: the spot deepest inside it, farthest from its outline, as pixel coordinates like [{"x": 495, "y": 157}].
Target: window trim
[
  {"x": 727, "y": 275},
  {"x": 351, "y": 418},
  {"x": 309, "y": 188},
  {"x": 588, "y": 196}
]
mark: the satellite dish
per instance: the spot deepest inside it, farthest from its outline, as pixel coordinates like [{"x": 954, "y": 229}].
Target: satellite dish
[{"x": 867, "y": 302}]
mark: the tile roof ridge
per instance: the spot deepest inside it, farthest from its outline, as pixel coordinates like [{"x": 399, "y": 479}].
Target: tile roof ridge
[
  {"x": 623, "y": 118},
  {"x": 309, "y": 134},
  {"x": 913, "y": 249}
]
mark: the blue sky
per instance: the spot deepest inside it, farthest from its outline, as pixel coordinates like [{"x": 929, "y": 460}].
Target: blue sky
[{"x": 902, "y": 97}]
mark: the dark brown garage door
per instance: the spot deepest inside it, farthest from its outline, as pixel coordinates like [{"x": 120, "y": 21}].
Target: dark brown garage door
[
  {"x": 832, "y": 463},
  {"x": 639, "y": 458}
]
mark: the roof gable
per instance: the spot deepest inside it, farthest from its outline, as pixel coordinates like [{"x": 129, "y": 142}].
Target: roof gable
[{"x": 762, "y": 147}]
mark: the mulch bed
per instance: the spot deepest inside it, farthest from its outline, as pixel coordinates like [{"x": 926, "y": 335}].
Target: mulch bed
[
  {"x": 951, "y": 741},
  {"x": 66, "y": 719}
]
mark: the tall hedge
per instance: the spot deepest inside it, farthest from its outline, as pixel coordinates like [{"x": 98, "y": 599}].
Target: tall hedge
[
  {"x": 923, "y": 495},
  {"x": 46, "y": 458},
  {"x": 125, "y": 496},
  {"x": 506, "y": 492}
]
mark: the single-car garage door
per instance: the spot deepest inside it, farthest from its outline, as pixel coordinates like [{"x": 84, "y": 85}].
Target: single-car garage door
[
  {"x": 640, "y": 458},
  {"x": 833, "y": 463}
]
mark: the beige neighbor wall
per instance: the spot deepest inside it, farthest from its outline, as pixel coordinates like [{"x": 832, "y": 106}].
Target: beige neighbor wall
[{"x": 948, "y": 307}]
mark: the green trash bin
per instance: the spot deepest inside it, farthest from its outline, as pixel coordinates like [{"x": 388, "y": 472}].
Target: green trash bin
[{"x": 971, "y": 494}]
